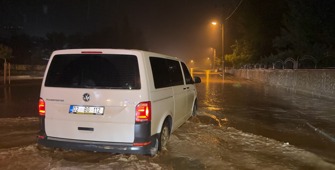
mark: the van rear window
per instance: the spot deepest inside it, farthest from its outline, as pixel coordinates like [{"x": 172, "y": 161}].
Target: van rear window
[{"x": 107, "y": 71}]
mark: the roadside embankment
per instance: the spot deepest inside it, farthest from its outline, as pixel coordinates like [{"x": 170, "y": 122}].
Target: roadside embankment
[
  {"x": 22, "y": 72},
  {"x": 316, "y": 82}
]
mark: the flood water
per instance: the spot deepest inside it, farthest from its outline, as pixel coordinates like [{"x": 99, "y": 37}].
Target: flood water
[
  {"x": 240, "y": 125},
  {"x": 20, "y": 98}
]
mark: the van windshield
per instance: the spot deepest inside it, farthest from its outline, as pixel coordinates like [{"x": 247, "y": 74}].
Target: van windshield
[{"x": 109, "y": 71}]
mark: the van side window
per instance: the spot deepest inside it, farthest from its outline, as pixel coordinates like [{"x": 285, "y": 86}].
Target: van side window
[
  {"x": 166, "y": 72},
  {"x": 188, "y": 77}
]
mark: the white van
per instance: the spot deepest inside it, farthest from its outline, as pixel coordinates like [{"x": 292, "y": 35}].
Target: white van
[{"x": 112, "y": 100}]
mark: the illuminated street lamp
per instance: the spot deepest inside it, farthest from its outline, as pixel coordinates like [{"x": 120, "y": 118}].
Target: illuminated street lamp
[
  {"x": 209, "y": 62},
  {"x": 192, "y": 67},
  {"x": 192, "y": 64},
  {"x": 222, "y": 48}
]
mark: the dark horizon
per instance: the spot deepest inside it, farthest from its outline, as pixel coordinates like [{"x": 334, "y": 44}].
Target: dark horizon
[
  {"x": 258, "y": 33},
  {"x": 178, "y": 28}
]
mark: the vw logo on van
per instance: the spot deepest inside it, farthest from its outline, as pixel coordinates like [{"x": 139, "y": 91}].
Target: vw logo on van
[{"x": 86, "y": 97}]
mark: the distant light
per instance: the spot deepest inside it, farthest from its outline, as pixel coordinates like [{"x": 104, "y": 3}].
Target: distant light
[{"x": 214, "y": 23}]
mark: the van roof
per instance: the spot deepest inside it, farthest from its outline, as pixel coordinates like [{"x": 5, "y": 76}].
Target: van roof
[{"x": 111, "y": 51}]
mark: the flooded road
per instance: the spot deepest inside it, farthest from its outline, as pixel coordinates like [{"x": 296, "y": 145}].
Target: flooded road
[
  {"x": 20, "y": 98},
  {"x": 240, "y": 125},
  {"x": 302, "y": 120}
]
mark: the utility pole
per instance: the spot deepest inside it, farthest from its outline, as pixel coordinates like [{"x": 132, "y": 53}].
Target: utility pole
[
  {"x": 5, "y": 72},
  {"x": 223, "y": 55}
]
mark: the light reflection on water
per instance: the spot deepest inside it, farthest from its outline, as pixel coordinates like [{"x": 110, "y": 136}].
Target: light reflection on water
[{"x": 7, "y": 94}]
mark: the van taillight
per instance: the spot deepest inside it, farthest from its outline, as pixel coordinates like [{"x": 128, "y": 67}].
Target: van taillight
[
  {"x": 143, "y": 112},
  {"x": 41, "y": 107}
]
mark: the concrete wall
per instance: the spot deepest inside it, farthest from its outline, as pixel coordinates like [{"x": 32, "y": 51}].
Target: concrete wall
[{"x": 315, "y": 82}]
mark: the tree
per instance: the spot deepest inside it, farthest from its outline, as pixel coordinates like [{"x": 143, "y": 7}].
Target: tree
[
  {"x": 308, "y": 29},
  {"x": 121, "y": 34},
  {"x": 117, "y": 34},
  {"x": 56, "y": 40},
  {"x": 5, "y": 54},
  {"x": 21, "y": 45},
  {"x": 242, "y": 53},
  {"x": 253, "y": 28}
]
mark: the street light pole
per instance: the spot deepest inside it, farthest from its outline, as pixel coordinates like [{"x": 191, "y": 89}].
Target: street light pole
[
  {"x": 222, "y": 48},
  {"x": 214, "y": 54},
  {"x": 222, "y": 33}
]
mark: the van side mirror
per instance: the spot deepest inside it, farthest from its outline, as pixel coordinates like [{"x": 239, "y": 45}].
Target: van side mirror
[{"x": 197, "y": 80}]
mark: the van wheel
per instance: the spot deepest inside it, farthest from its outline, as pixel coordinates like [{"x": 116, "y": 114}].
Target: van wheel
[
  {"x": 164, "y": 137},
  {"x": 194, "y": 111}
]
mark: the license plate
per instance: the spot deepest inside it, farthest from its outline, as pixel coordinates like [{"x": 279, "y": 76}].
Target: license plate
[{"x": 93, "y": 110}]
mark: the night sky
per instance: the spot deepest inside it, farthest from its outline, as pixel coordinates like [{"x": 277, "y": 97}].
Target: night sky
[{"x": 178, "y": 27}]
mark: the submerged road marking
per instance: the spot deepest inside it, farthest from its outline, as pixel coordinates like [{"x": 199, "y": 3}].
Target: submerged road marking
[{"x": 321, "y": 132}]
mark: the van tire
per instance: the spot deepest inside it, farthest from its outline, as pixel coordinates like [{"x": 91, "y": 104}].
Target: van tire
[
  {"x": 164, "y": 137},
  {"x": 194, "y": 110}
]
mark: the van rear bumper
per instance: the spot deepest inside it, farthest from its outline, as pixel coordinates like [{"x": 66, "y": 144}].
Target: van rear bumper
[{"x": 112, "y": 147}]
